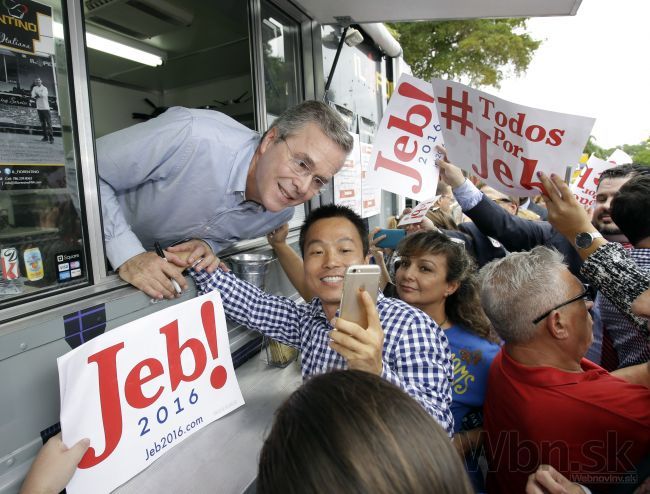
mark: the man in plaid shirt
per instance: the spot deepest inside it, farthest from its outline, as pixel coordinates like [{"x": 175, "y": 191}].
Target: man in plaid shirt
[{"x": 401, "y": 344}]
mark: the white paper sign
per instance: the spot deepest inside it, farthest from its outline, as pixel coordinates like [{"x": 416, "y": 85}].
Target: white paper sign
[
  {"x": 370, "y": 192},
  {"x": 506, "y": 144},
  {"x": 584, "y": 188},
  {"x": 140, "y": 389},
  {"x": 403, "y": 158},
  {"x": 418, "y": 213},
  {"x": 347, "y": 182},
  {"x": 620, "y": 157}
]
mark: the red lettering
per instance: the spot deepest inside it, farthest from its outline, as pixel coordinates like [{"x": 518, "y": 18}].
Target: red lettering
[
  {"x": 174, "y": 352},
  {"x": 516, "y": 124},
  {"x": 400, "y": 169},
  {"x": 585, "y": 176},
  {"x": 410, "y": 91},
  {"x": 484, "y": 139},
  {"x": 400, "y": 149},
  {"x": 134, "y": 381},
  {"x": 499, "y": 135},
  {"x": 500, "y": 118},
  {"x": 528, "y": 174},
  {"x": 502, "y": 171},
  {"x": 486, "y": 104},
  {"x": 218, "y": 376},
  {"x": 554, "y": 137},
  {"x": 407, "y": 125},
  {"x": 541, "y": 133},
  {"x": 109, "y": 399}
]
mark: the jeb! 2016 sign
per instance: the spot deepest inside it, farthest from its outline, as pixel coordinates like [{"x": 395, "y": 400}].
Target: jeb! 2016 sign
[
  {"x": 26, "y": 26},
  {"x": 142, "y": 388}
]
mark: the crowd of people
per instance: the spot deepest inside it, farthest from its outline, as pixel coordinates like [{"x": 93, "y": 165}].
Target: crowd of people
[{"x": 511, "y": 355}]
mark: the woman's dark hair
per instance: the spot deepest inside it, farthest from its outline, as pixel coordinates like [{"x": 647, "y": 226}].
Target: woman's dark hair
[
  {"x": 353, "y": 432},
  {"x": 630, "y": 208},
  {"x": 464, "y": 305}
]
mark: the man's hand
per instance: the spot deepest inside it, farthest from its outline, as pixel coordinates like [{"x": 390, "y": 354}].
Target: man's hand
[
  {"x": 564, "y": 213},
  {"x": 547, "y": 480},
  {"x": 151, "y": 274},
  {"x": 449, "y": 174},
  {"x": 54, "y": 466},
  {"x": 362, "y": 348},
  {"x": 278, "y": 237},
  {"x": 187, "y": 253}
]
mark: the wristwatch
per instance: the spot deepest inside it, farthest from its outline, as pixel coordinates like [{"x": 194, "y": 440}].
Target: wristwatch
[{"x": 585, "y": 239}]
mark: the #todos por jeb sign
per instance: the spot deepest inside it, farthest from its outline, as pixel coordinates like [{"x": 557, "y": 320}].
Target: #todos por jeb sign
[
  {"x": 506, "y": 144},
  {"x": 140, "y": 389}
]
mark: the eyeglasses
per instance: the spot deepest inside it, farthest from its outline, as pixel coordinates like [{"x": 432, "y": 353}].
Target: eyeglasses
[
  {"x": 303, "y": 169},
  {"x": 581, "y": 296}
]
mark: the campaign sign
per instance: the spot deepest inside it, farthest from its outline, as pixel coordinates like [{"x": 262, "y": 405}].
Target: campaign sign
[
  {"x": 506, "y": 144},
  {"x": 404, "y": 154},
  {"x": 418, "y": 213},
  {"x": 584, "y": 188},
  {"x": 139, "y": 390}
]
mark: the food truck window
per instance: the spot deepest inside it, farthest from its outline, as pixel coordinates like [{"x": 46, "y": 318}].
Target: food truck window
[
  {"x": 282, "y": 70},
  {"x": 41, "y": 217}
]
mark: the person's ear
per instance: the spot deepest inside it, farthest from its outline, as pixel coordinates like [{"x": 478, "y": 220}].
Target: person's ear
[
  {"x": 268, "y": 139},
  {"x": 556, "y": 326},
  {"x": 452, "y": 286}
]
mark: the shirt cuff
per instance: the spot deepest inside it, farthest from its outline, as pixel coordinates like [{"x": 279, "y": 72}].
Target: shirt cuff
[
  {"x": 122, "y": 248},
  {"x": 467, "y": 195}
]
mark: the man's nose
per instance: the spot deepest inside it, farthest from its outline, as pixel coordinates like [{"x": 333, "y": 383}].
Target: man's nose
[{"x": 302, "y": 184}]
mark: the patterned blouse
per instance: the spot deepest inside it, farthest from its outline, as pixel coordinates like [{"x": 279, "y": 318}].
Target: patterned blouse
[{"x": 615, "y": 274}]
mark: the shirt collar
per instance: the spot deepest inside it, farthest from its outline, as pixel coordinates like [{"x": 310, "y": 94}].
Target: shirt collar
[
  {"x": 547, "y": 377},
  {"x": 241, "y": 165}
]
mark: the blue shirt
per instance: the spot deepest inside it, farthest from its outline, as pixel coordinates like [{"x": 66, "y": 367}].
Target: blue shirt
[
  {"x": 415, "y": 355},
  {"x": 471, "y": 357},
  {"x": 182, "y": 174}
]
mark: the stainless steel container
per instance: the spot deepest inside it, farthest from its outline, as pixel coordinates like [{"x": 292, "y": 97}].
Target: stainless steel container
[{"x": 251, "y": 267}]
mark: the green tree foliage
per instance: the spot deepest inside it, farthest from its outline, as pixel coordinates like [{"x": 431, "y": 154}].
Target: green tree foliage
[
  {"x": 478, "y": 50},
  {"x": 640, "y": 153}
]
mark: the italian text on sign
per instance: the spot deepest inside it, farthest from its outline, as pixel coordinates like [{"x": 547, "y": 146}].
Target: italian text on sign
[{"x": 142, "y": 388}]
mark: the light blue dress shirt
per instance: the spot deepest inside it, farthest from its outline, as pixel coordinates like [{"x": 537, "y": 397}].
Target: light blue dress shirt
[{"x": 180, "y": 175}]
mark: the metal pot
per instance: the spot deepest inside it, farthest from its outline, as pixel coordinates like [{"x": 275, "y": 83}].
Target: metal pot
[{"x": 251, "y": 267}]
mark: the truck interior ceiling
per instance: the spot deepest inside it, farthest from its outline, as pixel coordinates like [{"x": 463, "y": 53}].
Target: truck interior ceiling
[{"x": 205, "y": 53}]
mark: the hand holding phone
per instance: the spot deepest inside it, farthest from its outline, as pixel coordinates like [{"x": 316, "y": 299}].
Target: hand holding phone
[
  {"x": 391, "y": 238},
  {"x": 358, "y": 277}
]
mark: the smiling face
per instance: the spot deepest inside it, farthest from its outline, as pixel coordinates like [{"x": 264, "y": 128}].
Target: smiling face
[
  {"x": 331, "y": 245},
  {"x": 272, "y": 180},
  {"x": 421, "y": 281},
  {"x": 601, "y": 217}
]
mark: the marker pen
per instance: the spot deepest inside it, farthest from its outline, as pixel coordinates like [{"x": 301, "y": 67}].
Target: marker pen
[{"x": 160, "y": 253}]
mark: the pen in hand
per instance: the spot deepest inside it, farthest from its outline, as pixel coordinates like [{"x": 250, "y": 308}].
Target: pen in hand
[{"x": 160, "y": 253}]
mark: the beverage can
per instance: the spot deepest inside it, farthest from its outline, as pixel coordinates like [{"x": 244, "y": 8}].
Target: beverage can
[
  {"x": 33, "y": 264},
  {"x": 9, "y": 260}
]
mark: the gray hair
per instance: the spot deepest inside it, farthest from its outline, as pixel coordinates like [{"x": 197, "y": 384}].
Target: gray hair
[
  {"x": 519, "y": 287},
  {"x": 316, "y": 112}
]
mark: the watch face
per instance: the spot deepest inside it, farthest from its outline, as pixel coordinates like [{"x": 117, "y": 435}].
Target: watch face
[{"x": 583, "y": 240}]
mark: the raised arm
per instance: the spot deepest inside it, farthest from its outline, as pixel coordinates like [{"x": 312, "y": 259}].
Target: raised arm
[{"x": 290, "y": 261}]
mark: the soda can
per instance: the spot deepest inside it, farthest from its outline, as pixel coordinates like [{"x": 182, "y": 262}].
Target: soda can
[
  {"x": 9, "y": 260},
  {"x": 33, "y": 264}
]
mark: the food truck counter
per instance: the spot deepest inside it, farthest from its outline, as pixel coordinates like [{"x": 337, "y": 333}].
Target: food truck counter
[{"x": 222, "y": 457}]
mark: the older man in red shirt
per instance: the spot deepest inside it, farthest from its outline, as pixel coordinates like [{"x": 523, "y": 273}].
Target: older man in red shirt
[{"x": 545, "y": 403}]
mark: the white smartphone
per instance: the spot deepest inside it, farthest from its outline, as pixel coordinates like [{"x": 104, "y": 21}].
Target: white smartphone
[{"x": 362, "y": 276}]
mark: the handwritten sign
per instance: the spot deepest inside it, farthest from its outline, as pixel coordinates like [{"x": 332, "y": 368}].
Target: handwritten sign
[
  {"x": 418, "y": 213},
  {"x": 403, "y": 158},
  {"x": 503, "y": 143},
  {"x": 584, "y": 188},
  {"x": 139, "y": 390}
]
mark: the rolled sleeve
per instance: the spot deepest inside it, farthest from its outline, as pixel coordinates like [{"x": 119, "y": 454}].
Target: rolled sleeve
[{"x": 467, "y": 195}]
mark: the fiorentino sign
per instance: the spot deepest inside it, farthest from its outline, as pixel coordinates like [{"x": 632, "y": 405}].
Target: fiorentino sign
[{"x": 19, "y": 24}]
